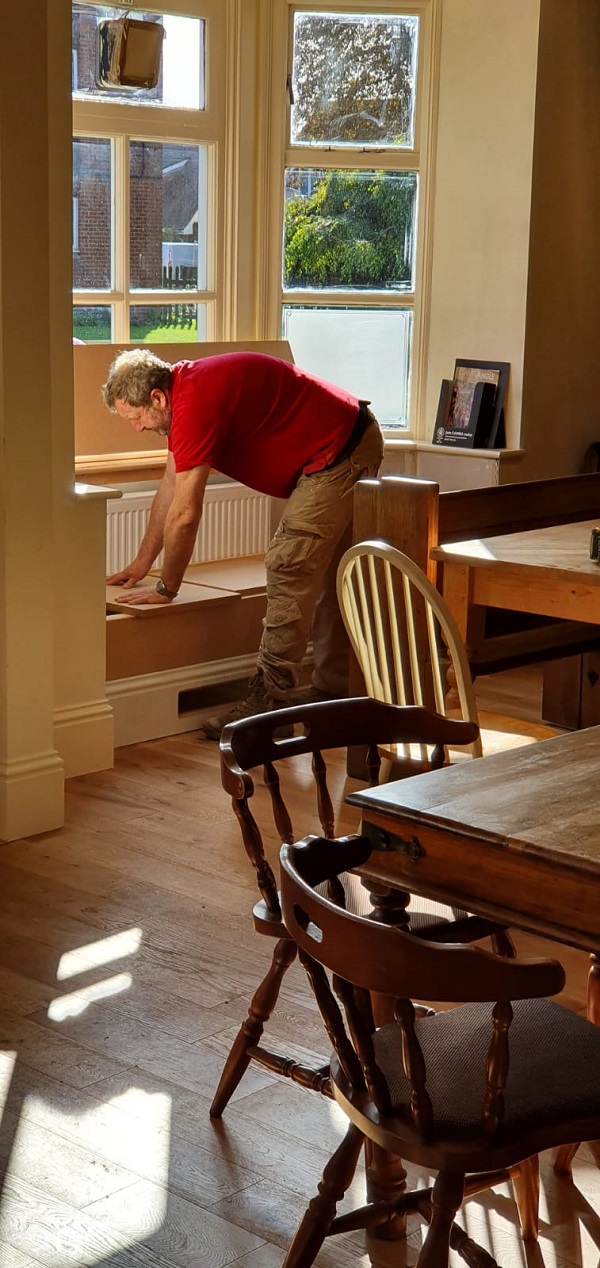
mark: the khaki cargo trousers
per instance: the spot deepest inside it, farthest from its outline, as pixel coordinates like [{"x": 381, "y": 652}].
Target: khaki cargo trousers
[{"x": 302, "y": 561}]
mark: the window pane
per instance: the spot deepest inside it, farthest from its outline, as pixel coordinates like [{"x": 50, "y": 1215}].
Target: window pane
[
  {"x": 93, "y": 325},
  {"x": 364, "y": 350},
  {"x": 181, "y": 80},
  {"x": 168, "y": 216},
  {"x": 167, "y": 323},
  {"x": 354, "y": 79},
  {"x": 350, "y": 230},
  {"x": 92, "y": 213}
]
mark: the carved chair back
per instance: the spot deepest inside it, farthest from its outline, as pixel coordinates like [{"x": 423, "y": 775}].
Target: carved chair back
[
  {"x": 364, "y": 957},
  {"x": 253, "y": 742},
  {"x": 405, "y": 639}
]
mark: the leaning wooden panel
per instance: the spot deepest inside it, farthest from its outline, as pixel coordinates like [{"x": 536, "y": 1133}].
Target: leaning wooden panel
[{"x": 98, "y": 432}]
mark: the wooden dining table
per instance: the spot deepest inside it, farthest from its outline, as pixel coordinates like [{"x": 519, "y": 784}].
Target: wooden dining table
[
  {"x": 547, "y": 571},
  {"x": 514, "y": 836}
]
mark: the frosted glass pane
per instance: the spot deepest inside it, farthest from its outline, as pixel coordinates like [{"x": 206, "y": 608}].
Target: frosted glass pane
[
  {"x": 354, "y": 78},
  {"x": 364, "y": 350}
]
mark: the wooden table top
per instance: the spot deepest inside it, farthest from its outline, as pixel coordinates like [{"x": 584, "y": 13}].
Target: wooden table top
[
  {"x": 543, "y": 799},
  {"x": 561, "y": 549},
  {"x": 514, "y": 836}
]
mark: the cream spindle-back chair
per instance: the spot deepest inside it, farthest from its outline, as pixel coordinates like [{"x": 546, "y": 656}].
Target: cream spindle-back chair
[{"x": 403, "y": 635}]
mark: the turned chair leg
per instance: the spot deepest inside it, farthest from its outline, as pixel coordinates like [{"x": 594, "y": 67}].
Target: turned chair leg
[
  {"x": 564, "y": 1159},
  {"x": 526, "y": 1187},
  {"x": 566, "y": 1153},
  {"x": 503, "y": 944},
  {"x": 259, "y": 1012},
  {"x": 337, "y": 1178},
  {"x": 446, "y": 1198}
]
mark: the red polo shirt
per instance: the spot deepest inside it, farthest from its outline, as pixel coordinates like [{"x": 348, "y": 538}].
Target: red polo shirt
[{"x": 257, "y": 419}]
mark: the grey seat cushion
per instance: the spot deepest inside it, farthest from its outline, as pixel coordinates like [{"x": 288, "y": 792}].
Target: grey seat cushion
[{"x": 553, "y": 1070}]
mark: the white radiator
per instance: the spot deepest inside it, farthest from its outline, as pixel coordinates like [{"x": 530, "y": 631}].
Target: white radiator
[{"x": 235, "y": 521}]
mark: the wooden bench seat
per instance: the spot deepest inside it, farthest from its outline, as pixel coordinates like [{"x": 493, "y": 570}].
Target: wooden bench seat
[
  {"x": 415, "y": 516},
  {"x": 165, "y": 663}
]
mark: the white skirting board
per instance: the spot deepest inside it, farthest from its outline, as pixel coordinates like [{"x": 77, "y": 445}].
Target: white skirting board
[
  {"x": 147, "y": 707},
  {"x": 32, "y": 797},
  {"x": 83, "y": 736}
]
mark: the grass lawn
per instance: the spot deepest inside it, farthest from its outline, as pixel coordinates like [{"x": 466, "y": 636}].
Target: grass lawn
[{"x": 100, "y": 333}]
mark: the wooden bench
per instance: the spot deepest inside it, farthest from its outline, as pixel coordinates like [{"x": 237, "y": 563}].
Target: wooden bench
[
  {"x": 169, "y": 665},
  {"x": 415, "y": 516}
]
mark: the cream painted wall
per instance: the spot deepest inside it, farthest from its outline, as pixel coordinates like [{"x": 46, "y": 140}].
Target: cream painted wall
[
  {"x": 82, "y": 716},
  {"x": 561, "y": 391},
  {"x": 483, "y": 181}
]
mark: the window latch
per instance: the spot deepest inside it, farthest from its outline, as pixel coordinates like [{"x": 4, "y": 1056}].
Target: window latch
[{"x": 290, "y": 90}]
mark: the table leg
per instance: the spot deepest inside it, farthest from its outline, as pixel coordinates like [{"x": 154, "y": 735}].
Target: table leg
[
  {"x": 386, "y": 1182},
  {"x": 566, "y": 1153},
  {"x": 386, "y": 1176},
  {"x": 457, "y": 593},
  {"x": 593, "y": 990}
]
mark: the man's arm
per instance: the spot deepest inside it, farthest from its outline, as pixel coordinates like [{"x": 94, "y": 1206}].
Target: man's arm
[
  {"x": 180, "y": 528},
  {"x": 152, "y": 541}
]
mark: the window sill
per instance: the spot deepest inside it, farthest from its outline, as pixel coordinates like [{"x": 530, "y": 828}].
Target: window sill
[
  {"x": 121, "y": 468},
  {"x": 449, "y": 466},
  {"x": 396, "y": 444}
]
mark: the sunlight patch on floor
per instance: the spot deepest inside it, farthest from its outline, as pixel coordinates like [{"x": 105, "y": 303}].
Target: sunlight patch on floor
[
  {"x": 76, "y": 1003},
  {"x": 94, "y": 954}
]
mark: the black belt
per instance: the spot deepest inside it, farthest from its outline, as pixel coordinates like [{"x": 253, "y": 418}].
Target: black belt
[{"x": 363, "y": 418}]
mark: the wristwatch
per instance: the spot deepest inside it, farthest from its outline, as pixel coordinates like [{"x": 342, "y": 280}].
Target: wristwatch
[{"x": 162, "y": 589}]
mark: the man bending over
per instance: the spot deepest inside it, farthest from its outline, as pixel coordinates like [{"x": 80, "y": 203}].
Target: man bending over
[{"x": 280, "y": 431}]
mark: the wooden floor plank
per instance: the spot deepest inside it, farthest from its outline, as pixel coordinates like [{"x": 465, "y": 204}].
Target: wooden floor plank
[{"x": 127, "y": 957}]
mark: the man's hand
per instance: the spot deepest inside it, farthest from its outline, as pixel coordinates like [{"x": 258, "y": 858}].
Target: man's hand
[
  {"x": 142, "y": 597},
  {"x": 128, "y": 576}
]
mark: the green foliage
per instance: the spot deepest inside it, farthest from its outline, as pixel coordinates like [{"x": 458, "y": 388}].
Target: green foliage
[{"x": 353, "y": 230}]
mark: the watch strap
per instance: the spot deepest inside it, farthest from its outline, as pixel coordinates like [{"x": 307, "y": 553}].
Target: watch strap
[{"x": 162, "y": 589}]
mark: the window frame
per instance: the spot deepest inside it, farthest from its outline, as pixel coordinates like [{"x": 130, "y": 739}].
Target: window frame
[
  {"x": 124, "y": 123},
  {"x": 417, "y": 158}
]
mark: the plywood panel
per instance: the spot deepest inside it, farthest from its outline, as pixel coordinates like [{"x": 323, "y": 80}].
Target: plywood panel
[
  {"x": 190, "y": 596},
  {"x": 245, "y": 575}
]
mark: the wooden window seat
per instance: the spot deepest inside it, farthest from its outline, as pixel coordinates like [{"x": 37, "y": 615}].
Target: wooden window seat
[{"x": 168, "y": 666}]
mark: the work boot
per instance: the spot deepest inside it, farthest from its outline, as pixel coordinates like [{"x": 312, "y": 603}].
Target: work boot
[
  {"x": 258, "y": 700},
  {"x": 314, "y": 695}
]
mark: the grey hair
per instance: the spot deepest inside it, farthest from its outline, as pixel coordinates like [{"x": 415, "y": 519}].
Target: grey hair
[{"x": 133, "y": 375}]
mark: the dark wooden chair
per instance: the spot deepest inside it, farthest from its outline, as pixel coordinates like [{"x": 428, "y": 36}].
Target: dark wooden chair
[
  {"x": 469, "y": 1093},
  {"x": 253, "y": 742}
]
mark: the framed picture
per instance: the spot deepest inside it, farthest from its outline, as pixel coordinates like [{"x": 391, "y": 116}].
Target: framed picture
[{"x": 467, "y": 374}]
